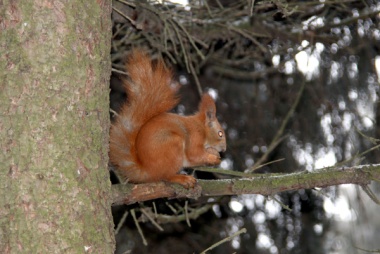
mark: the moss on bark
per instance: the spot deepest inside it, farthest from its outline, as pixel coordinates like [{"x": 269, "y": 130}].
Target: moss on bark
[{"x": 55, "y": 67}]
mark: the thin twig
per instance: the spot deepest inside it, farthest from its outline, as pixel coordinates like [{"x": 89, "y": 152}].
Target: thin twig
[
  {"x": 171, "y": 208},
  {"x": 277, "y": 138},
  {"x": 281, "y": 204},
  {"x": 370, "y": 194},
  {"x": 114, "y": 112},
  {"x": 138, "y": 227},
  {"x": 198, "y": 84},
  {"x": 248, "y": 36},
  {"x": 125, "y": 16},
  {"x": 357, "y": 156},
  {"x": 193, "y": 214},
  {"x": 229, "y": 238},
  {"x": 187, "y": 214},
  {"x": 121, "y": 222},
  {"x": 151, "y": 220},
  {"x": 266, "y": 164},
  {"x": 118, "y": 71},
  {"x": 155, "y": 210},
  {"x": 127, "y": 3}
]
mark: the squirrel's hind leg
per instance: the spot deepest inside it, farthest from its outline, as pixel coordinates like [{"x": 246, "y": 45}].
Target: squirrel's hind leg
[{"x": 172, "y": 160}]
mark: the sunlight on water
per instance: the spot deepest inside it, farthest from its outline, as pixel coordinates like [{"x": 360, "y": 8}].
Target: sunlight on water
[
  {"x": 216, "y": 210},
  {"x": 263, "y": 241},
  {"x": 214, "y": 93},
  {"x": 272, "y": 208},
  {"x": 340, "y": 209},
  {"x": 318, "y": 228},
  {"x": 308, "y": 60},
  {"x": 335, "y": 71},
  {"x": 236, "y": 206},
  {"x": 227, "y": 164},
  {"x": 259, "y": 217},
  {"x": 276, "y": 60},
  {"x": 314, "y": 21},
  {"x": 235, "y": 243},
  {"x": 353, "y": 94},
  {"x": 325, "y": 158},
  {"x": 235, "y": 224},
  {"x": 181, "y": 2},
  {"x": 377, "y": 66}
]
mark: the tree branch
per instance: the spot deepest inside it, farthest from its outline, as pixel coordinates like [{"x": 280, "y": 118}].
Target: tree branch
[{"x": 264, "y": 184}]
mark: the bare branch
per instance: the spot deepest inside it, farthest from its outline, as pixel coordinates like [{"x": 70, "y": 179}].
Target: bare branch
[{"x": 264, "y": 184}]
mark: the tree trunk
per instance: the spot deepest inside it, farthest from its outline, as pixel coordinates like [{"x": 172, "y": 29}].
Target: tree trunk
[{"x": 54, "y": 72}]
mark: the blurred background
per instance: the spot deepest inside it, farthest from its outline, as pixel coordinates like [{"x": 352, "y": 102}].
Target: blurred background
[{"x": 296, "y": 85}]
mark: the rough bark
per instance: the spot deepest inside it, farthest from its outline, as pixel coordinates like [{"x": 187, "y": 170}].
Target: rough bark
[
  {"x": 264, "y": 184},
  {"x": 54, "y": 72}
]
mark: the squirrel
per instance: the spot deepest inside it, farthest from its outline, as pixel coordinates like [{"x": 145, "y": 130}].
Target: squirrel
[{"x": 149, "y": 144}]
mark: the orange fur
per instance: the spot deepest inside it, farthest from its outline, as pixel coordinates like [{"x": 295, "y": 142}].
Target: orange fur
[{"x": 149, "y": 144}]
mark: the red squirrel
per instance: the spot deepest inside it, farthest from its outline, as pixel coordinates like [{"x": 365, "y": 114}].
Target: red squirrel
[{"x": 147, "y": 143}]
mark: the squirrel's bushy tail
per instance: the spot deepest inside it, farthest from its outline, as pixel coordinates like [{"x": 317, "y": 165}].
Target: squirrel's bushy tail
[
  {"x": 150, "y": 92},
  {"x": 150, "y": 89}
]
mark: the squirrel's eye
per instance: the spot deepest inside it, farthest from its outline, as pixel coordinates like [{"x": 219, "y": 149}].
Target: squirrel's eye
[{"x": 220, "y": 133}]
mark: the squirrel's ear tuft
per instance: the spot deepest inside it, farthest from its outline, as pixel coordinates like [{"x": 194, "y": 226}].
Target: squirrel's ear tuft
[{"x": 207, "y": 107}]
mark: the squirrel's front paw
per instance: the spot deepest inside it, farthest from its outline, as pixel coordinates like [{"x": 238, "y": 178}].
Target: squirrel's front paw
[
  {"x": 213, "y": 159},
  {"x": 185, "y": 180},
  {"x": 212, "y": 151}
]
